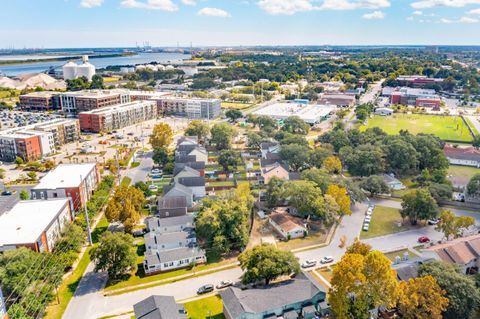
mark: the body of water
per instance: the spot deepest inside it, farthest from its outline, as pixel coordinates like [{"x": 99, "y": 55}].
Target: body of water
[{"x": 140, "y": 58}]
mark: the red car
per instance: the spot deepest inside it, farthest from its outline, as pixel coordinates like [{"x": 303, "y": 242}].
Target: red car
[{"x": 423, "y": 239}]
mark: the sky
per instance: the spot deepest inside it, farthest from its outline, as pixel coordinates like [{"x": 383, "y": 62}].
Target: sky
[{"x": 164, "y": 23}]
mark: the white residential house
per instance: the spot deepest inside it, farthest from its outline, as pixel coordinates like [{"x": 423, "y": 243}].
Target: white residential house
[
  {"x": 393, "y": 182},
  {"x": 287, "y": 226}
]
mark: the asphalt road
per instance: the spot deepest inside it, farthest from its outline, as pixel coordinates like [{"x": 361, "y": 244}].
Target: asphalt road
[{"x": 140, "y": 173}]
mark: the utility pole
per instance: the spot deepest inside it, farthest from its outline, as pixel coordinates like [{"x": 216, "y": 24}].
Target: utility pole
[
  {"x": 87, "y": 220},
  {"x": 118, "y": 166}
]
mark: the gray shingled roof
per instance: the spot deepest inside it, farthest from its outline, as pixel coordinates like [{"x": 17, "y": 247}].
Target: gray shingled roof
[
  {"x": 258, "y": 300},
  {"x": 193, "y": 164},
  {"x": 172, "y": 202},
  {"x": 152, "y": 257},
  {"x": 192, "y": 181},
  {"x": 155, "y": 222},
  {"x": 185, "y": 158},
  {"x": 159, "y": 307},
  {"x": 187, "y": 169},
  {"x": 152, "y": 239},
  {"x": 180, "y": 187}
]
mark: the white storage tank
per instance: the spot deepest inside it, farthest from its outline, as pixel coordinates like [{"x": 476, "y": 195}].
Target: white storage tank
[
  {"x": 140, "y": 67},
  {"x": 69, "y": 71},
  {"x": 169, "y": 67},
  {"x": 86, "y": 69},
  {"x": 161, "y": 67}
]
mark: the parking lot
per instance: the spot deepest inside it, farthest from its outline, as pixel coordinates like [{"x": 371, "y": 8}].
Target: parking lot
[
  {"x": 8, "y": 201},
  {"x": 10, "y": 119}
]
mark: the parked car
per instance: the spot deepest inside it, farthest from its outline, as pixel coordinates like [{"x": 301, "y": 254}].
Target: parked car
[
  {"x": 153, "y": 188},
  {"x": 156, "y": 171},
  {"x": 365, "y": 227},
  {"x": 326, "y": 260},
  {"x": 138, "y": 233},
  {"x": 224, "y": 284},
  {"x": 434, "y": 221},
  {"x": 205, "y": 289},
  {"x": 309, "y": 263},
  {"x": 6, "y": 193},
  {"x": 423, "y": 239}
]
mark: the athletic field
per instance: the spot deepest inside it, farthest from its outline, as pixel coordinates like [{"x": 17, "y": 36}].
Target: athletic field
[{"x": 449, "y": 128}]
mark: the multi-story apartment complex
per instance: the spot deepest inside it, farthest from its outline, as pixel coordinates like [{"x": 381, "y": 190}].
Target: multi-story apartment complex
[
  {"x": 82, "y": 101},
  {"x": 40, "y": 101},
  {"x": 34, "y": 141},
  {"x": 118, "y": 116},
  {"x": 64, "y": 130},
  {"x": 189, "y": 107},
  {"x": 74, "y": 181},
  {"x": 29, "y": 145}
]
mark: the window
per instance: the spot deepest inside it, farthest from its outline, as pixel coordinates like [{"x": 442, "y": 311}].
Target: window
[{"x": 42, "y": 195}]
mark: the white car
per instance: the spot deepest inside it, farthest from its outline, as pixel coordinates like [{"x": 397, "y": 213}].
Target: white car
[
  {"x": 365, "y": 227},
  {"x": 368, "y": 219},
  {"x": 156, "y": 171},
  {"x": 309, "y": 263},
  {"x": 326, "y": 260},
  {"x": 153, "y": 188}
]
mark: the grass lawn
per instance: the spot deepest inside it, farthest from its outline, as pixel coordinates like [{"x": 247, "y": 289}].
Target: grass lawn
[
  {"x": 205, "y": 308},
  {"x": 385, "y": 221},
  {"x": 313, "y": 238},
  {"x": 391, "y": 255},
  {"x": 469, "y": 122},
  {"x": 221, "y": 183},
  {"x": 326, "y": 272},
  {"x": 465, "y": 172},
  {"x": 236, "y": 106},
  {"x": 445, "y": 127},
  {"x": 139, "y": 277}
]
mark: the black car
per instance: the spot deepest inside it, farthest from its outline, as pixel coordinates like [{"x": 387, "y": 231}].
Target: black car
[
  {"x": 6, "y": 193},
  {"x": 205, "y": 289}
]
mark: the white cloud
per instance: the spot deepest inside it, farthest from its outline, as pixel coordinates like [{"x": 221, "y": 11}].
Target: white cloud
[
  {"x": 410, "y": 18},
  {"x": 213, "y": 12},
  {"x": 375, "y": 15},
  {"x": 467, "y": 20},
  {"x": 285, "y": 7},
  {"x": 354, "y": 4},
  {"x": 424, "y": 4},
  {"x": 91, "y": 3},
  {"x": 165, "y": 5},
  {"x": 417, "y": 13},
  {"x": 474, "y": 11},
  {"x": 189, "y": 2},
  {"x": 289, "y": 7}
]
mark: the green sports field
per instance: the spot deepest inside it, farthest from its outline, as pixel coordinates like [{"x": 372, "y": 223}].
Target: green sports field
[{"x": 449, "y": 128}]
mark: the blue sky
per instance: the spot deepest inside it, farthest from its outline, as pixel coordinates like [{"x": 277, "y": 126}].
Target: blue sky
[{"x": 108, "y": 23}]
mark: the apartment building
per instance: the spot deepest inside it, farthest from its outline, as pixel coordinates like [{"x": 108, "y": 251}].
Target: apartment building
[
  {"x": 34, "y": 224},
  {"x": 189, "y": 107},
  {"x": 28, "y": 144},
  {"x": 34, "y": 141},
  {"x": 83, "y": 101},
  {"x": 74, "y": 181},
  {"x": 40, "y": 101},
  {"x": 118, "y": 116}
]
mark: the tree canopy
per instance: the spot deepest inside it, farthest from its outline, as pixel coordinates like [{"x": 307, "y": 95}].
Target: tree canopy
[
  {"x": 162, "y": 136},
  {"x": 418, "y": 205},
  {"x": 266, "y": 263}
]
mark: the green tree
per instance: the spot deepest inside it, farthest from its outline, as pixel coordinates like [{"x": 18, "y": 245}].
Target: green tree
[
  {"x": 24, "y": 194},
  {"x": 440, "y": 191},
  {"x": 97, "y": 82},
  {"x": 332, "y": 165},
  {"x": 125, "y": 206},
  {"x": 318, "y": 176},
  {"x": 233, "y": 115},
  {"x": 364, "y": 160},
  {"x": 162, "y": 136},
  {"x": 476, "y": 141},
  {"x": 143, "y": 187},
  {"x": 418, "y": 205},
  {"x": 275, "y": 191},
  {"x": 19, "y": 160},
  {"x": 160, "y": 156},
  {"x": 375, "y": 185},
  {"x": 229, "y": 158},
  {"x": 463, "y": 296},
  {"x": 266, "y": 263},
  {"x": 222, "y": 135},
  {"x": 198, "y": 128},
  {"x": 295, "y": 155},
  {"x": 115, "y": 254},
  {"x": 72, "y": 239},
  {"x": 254, "y": 139},
  {"x": 295, "y": 125},
  {"x": 32, "y": 176},
  {"x": 473, "y": 186}
]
